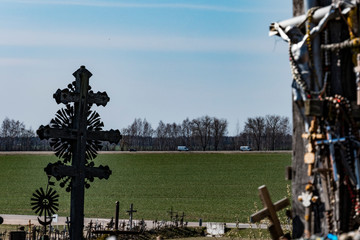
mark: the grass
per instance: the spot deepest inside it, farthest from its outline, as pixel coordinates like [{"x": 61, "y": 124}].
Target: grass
[{"x": 213, "y": 187}]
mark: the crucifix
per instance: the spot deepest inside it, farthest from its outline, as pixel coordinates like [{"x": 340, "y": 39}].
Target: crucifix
[
  {"x": 270, "y": 212},
  {"x": 75, "y": 134},
  {"x": 131, "y": 211}
]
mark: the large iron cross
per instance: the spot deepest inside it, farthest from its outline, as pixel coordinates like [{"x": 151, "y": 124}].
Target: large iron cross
[{"x": 75, "y": 135}]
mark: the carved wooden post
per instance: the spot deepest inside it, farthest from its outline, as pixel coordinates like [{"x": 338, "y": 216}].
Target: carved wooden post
[
  {"x": 75, "y": 136},
  {"x": 299, "y": 175},
  {"x": 337, "y": 167}
]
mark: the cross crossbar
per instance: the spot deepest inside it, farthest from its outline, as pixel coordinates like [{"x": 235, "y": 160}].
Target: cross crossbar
[
  {"x": 59, "y": 170},
  {"x": 260, "y": 215},
  {"x": 269, "y": 211},
  {"x": 46, "y": 132},
  {"x": 131, "y": 211},
  {"x": 65, "y": 96}
]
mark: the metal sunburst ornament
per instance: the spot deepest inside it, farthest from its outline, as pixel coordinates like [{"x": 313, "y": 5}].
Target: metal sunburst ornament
[
  {"x": 45, "y": 202},
  {"x": 63, "y": 147}
]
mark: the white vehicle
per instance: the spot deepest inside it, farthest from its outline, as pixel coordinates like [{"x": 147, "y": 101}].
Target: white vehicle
[
  {"x": 245, "y": 148},
  {"x": 182, "y": 148}
]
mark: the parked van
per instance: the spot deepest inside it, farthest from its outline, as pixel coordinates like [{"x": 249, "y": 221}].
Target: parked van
[
  {"x": 182, "y": 148},
  {"x": 245, "y": 148}
]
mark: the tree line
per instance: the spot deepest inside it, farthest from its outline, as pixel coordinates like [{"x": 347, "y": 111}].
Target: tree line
[
  {"x": 14, "y": 136},
  {"x": 271, "y": 132}
]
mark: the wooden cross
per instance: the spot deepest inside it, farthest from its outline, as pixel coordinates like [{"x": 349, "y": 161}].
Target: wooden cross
[
  {"x": 78, "y": 135},
  {"x": 117, "y": 206},
  {"x": 171, "y": 212},
  {"x": 312, "y": 136},
  {"x": 131, "y": 211},
  {"x": 270, "y": 212}
]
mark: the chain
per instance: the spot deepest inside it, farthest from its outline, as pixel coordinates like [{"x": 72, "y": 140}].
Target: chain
[
  {"x": 330, "y": 214},
  {"x": 310, "y": 14},
  {"x": 353, "y": 203},
  {"x": 342, "y": 108},
  {"x": 296, "y": 73}
]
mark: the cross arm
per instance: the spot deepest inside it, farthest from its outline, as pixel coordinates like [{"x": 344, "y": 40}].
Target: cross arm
[
  {"x": 60, "y": 170},
  {"x": 65, "y": 96},
  {"x": 295, "y": 21},
  {"x": 279, "y": 205},
  {"x": 46, "y": 132},
  {"x": 112, "y": 136}
]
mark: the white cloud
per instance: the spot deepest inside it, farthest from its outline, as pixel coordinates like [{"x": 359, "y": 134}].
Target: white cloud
[
  {"x": 95, "y": 3},
  {"x": 9, "y": 62}
]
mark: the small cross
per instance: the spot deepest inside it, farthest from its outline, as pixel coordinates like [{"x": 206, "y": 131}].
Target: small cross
[
  {"x": 270, "y": 212},
  {"x": 182, "y": 219},
  {"x": 312, "y": 136},
  {"x": 331, "y": 143},
  {"x": 131, "y": 211},
  {"x": 171, "y": 212}
]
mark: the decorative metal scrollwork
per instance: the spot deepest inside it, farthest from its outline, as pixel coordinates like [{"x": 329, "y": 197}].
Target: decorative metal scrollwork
[{"x": 45, "y": 202}]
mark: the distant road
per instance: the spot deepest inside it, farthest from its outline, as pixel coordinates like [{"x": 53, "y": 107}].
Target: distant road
[{"x": 127, "y": 152}]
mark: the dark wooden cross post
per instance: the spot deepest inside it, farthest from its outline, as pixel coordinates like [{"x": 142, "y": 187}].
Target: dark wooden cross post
[
  {"x": 171, "y": 212},
  {"x": 131, "y": 211},
  {"x": 270, "y": 212},
  {"x": 73, "y": 131},
  {"x": 117, "y": 216}
]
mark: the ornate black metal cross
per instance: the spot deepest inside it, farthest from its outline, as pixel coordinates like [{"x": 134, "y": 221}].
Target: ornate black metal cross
[{"x": 75, "y": 135}]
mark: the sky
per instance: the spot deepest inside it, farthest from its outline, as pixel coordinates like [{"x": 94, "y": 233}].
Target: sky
[{"x": 162, "y": 60}]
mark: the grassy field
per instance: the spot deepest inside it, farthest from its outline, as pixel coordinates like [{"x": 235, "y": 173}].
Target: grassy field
[{"x": 213, "y": 187}]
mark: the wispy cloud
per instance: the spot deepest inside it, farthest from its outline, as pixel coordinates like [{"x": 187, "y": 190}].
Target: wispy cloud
[
  {"x": 90, "y": 3},
  {"x": 131, "y": 42},
  {"x": 9, "y": 62}
]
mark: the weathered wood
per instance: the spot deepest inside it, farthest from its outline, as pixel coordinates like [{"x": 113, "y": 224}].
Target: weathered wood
[
  {"x": 299, "y": 174},
  {"x": 260, "y": 215},
  {"x": 298, "y": 7},
  {"x": 117, "y": 215},
  {"x": 269, "y": 211}
]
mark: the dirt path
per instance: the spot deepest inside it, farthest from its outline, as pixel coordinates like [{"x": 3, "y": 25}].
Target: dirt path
[{"x": 24, "y": 220}]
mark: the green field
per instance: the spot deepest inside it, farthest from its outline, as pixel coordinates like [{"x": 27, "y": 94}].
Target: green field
[{"x": 210, "y": 186}]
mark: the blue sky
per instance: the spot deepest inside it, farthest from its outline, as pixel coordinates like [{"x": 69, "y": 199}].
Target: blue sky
[{"x": 159, "y": 60}]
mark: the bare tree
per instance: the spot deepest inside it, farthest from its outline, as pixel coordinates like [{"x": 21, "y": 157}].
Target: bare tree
[
  {"x": 219, "y": 130},
  {"x": 138, "y": 134},
  {"x": 201, "y": 128},
  {"x": 186, "y": 132},
  {"x": 15, "y": 136},
  {"x": 126, "y": 138},
  {"x": 160, "y": 133},
  {"x": 255, "y": 127},
  {"x": 276, "y": 128}
]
